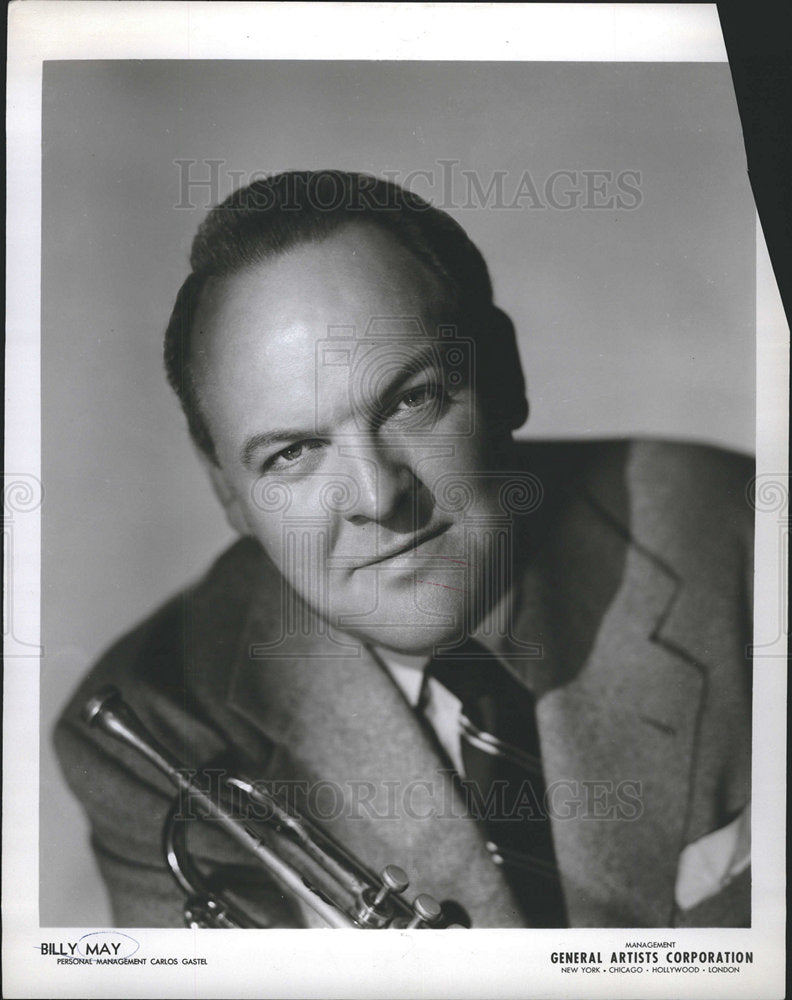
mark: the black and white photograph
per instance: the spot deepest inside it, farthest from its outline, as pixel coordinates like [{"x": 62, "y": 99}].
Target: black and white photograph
[{"x": 395, "y": 507}]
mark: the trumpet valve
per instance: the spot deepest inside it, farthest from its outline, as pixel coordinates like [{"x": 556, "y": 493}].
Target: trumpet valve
[
  {"x": 426, "y": 910},
  {"x": 394, "y": 882},
  {"x": 375, "y": 908}
]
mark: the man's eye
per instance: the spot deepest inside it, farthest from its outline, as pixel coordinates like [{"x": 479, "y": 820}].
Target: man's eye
[
  {"x": 418, "y": 396},
  {"x": 291, "y": 455}
]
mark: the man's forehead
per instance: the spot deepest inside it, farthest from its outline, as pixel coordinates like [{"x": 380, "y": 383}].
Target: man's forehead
[
  {"x": 359, "y": 282},
  {"x": 300, "y": 340}
]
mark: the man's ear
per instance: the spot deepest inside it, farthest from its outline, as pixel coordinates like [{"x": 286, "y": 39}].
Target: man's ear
[{"x": 226, "y": 495}]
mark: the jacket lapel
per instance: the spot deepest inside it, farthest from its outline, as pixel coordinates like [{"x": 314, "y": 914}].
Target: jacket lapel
[
  {"x": 619, "y": 743},
  {"x": 618, "y": 715}
]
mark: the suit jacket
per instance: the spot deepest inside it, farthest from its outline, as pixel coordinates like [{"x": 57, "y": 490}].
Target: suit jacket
[{"x": 637, "y": 592}]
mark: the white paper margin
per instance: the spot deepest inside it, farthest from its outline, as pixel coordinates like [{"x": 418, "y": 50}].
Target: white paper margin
[{"x": 495, "y": 963}]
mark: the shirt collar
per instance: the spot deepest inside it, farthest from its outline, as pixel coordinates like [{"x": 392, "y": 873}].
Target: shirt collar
[{"x": 406, "y": 671}]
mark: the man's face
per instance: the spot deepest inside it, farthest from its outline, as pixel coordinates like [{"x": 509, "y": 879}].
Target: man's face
[{"x": 349, "y": 435}]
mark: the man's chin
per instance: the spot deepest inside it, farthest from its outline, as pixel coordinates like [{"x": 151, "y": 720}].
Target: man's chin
[
  {"x": 412, "y": 640},
  {"x": 400, "y": 614}
]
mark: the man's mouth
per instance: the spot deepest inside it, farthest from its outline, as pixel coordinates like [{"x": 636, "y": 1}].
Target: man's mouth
[{"x": 409, "y": 547}]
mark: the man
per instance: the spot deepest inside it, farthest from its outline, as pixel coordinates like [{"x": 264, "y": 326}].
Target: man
[{"x": 517, "y": 670}]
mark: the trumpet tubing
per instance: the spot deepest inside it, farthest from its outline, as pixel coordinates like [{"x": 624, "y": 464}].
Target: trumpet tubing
[{"x": 306, "y": 862}]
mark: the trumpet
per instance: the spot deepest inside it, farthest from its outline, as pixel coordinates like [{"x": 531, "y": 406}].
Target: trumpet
[{"x": 303, "y": 859}]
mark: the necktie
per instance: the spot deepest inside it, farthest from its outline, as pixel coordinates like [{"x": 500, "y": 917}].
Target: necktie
[{"x": 503, "y": 779}]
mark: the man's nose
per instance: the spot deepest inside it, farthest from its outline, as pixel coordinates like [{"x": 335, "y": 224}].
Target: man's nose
[{"x": 386, "y": 487}]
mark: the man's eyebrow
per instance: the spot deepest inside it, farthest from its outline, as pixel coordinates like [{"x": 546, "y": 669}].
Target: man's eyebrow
[
  {"x": 424, "y": 356},
  {"x": 269, "y": 438}
]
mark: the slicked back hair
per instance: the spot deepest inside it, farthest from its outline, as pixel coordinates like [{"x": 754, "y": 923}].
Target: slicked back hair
[{"x": 274, "y": 214}]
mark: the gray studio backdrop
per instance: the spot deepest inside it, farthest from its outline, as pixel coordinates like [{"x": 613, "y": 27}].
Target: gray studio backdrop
[{"x": 610, "y": 201}]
